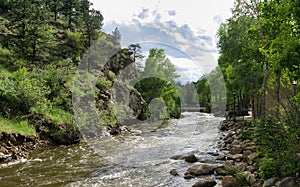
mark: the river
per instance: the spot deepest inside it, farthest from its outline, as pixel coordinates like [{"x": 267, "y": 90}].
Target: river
[{"x": 140, "y": 158}]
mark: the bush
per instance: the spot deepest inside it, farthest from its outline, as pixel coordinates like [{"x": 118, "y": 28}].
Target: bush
[
  {"x": 19, "y": 91},
  {"x": 279, "y": 145}
]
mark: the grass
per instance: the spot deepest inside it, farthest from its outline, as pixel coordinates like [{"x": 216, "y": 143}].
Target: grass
[
  {"x": 21, "y": 127},
  {"x": 60, "y": 116}
]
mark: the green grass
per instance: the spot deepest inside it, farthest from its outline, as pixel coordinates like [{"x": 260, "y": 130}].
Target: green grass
[
  {"x": 60, "y": 116},
  {"x": 21, "y": 127}
]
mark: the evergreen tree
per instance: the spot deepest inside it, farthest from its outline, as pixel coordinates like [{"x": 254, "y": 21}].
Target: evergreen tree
[{"x": 30, "y": 25}]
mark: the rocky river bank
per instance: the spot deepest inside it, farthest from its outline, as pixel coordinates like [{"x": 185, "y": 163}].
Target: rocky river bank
[
  {"x": 14, "y": 146},
  {"x": 236, "y": 162}
]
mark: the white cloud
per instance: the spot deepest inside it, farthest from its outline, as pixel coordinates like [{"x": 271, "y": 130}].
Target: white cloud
[
  {"x": 197, "y": 14},
  {"x": 172, "y": 13},
  {"x": 187, "y": 31},
  {"x": 144, "y": 14}
]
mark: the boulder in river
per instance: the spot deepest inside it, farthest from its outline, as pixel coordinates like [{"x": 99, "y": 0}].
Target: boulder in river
[
  {"x": 205, "y": 183},
  {"x": 174, "y": 172},
  {"x": 202, "y": 169},
  {"x": 191, "y": 158}
]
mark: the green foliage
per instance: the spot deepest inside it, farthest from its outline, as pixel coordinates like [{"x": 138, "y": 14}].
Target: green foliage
[
  {"x": 259, "y": 48},
  {"x": 204, "y": 94},
  {"x": 259, "y": 44},
  {"x": 279, "y": 144},
  {"x": 59, "y": 79},
  {"x": 17, "y": 126},
  {"x": 158, "y": 81},
  {"x": 20, "y": 91},
  {"x": 104, "y": 83},
  {"x": 241, "y": 180},
  {"x": 107, "y": 117}
]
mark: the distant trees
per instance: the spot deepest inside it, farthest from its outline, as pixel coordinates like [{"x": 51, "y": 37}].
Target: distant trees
[{"x": 204, "y": 94}]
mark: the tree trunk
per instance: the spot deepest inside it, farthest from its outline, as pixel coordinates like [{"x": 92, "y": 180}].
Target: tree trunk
[
  {"x": 55, "y": 10},
  {"x": 264, "y": 90},
  {"x": 277, "y": 88},
  {"x": 253, "y": 107}
]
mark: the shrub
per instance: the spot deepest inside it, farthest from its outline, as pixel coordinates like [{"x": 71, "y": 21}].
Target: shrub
[{"x": 279, "y": 145}]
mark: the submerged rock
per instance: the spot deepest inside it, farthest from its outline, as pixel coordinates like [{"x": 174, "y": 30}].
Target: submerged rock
[{"x": 174, "y": 172}]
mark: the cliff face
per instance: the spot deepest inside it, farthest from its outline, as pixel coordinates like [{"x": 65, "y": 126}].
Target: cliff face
[{"x": 119, "y": 101}]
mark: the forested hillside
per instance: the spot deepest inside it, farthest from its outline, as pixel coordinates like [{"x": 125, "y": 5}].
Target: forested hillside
[{"x": 41, "y": 44}]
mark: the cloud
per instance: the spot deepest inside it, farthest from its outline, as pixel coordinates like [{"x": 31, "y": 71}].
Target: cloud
[
  {"x": 192, "y": 53},
  {"x": 218, "y": 19},
  {"x": 144, "y": 14},
  {"x": 172, "y": 13}
]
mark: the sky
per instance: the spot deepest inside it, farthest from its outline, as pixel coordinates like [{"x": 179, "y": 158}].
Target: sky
[{"x": 186, "y": 29}]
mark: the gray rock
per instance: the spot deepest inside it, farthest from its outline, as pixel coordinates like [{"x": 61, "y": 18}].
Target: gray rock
[
  {"x": 202, "y": 169},
  {"x": 234, "y": 157},
  {"x": 221, "y": 157},
  {"x": 230, "y": 181},
  {"x": 250, "y": 178},
  {"x": 205, "y": 183},
  {"x": 288, "y": 182},
  {"x": 269, "y": 182},
  {"x": 190, "y": 158},
  {"x": 252, "y": 157},
  {"x": 177, "y": 157},
  {"x": 188, "y": 176},
  {"x": 221, "y": 171},
  {"x": 236, "y": 150},
  {"x": 241, "y": 167},
  {"x": 246, "y": 153},
  {"x": 174, "y": 172}
]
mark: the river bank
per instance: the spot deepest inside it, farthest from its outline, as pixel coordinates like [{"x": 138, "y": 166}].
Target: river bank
[
  {"x": 241, "y": 157},
  {"x": 235, "y": 162},
  {"x": 14, "y": 146}
]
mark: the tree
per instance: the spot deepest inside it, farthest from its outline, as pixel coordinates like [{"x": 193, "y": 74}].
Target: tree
[
  {"x": 137, "y": 55},
  {"x": 158, "y": 81},
  {"x": 30, "y": 23},
  {"x": 203, "y": 92},
  {"x": 55, "y": 6},
  {"x": 92, "y": 20},
  {"x": 70, "y": 11},
  {"x": 115, "y": 36}
]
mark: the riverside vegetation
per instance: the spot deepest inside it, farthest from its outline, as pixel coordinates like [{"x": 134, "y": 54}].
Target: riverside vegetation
[
  {"x": 41, "y": 45},
  {"x": 43, "y": 42}
]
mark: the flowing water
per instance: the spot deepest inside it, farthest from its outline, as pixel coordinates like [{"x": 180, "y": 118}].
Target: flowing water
[{"x": 139, "y": 158}]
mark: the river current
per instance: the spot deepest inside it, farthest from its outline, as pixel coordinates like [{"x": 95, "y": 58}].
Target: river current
[{"x": 139, "y": 158}]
